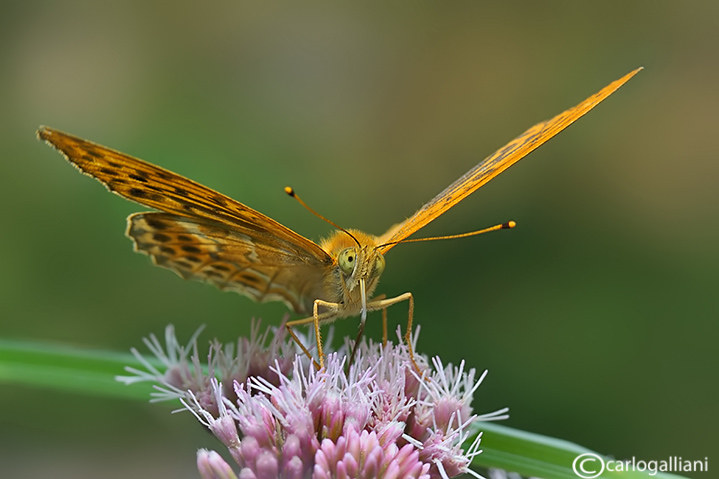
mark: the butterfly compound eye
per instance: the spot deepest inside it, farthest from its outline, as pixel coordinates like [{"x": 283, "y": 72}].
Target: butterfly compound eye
[{"x": 347, "y": 260}]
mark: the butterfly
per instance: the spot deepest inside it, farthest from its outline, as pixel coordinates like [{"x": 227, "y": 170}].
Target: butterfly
[{"x": 204, "y": 235}]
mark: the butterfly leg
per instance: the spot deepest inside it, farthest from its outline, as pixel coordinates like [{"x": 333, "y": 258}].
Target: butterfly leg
[
  {"x": 384, "y": 304},
  {"x": 316, "y": 319},
  {"x": 304, "y": 349},
  {"x": 333, "y": 308}
]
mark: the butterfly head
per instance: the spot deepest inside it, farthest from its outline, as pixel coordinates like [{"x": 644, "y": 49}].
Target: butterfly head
[{"x": 357, "y": 265}]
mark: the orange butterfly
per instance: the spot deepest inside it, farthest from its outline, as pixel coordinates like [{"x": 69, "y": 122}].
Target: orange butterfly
[{"x": 204, "y": 235}]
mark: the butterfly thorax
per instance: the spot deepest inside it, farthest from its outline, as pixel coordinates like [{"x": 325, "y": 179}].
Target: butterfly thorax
[{"x": 355, "y": 261}]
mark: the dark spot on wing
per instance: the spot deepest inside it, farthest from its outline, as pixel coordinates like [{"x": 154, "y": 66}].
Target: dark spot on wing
[
  {"x": 246, "y": 278},
  {"x": 162, "y": 238},
  {"x": 137, "y": 193},
  {"x": 138, "y": 178},
  {"x": 191, "y": 249},
  {"x": 113, "y": 164},
  {"x": 167, "y": 250},
  {"x": 184, "y": 238},
  {"x": 193, "y": 259},
  {"x": 181, "y": 192},
  {"x": 220, "y": 267},
  {"x": 156, "y": 224},
  {"x": 153, "y": 196}
]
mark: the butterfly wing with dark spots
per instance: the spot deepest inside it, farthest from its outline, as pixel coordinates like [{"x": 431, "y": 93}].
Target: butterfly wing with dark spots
[
  {"x": 164, "y": 190},
  {"x": 234, "y": 259}
]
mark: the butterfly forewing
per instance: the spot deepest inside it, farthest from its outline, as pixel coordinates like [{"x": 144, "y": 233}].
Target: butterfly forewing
[
  {"x": 203, "y": 234},
  {"x": 495, "y": 164},
  {"x": 164, "y": 190}
]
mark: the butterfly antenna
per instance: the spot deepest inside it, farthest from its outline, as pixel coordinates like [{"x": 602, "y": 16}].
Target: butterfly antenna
[
  {"x": 503, "y": 226},
  {"x": 290, "y": 191}
]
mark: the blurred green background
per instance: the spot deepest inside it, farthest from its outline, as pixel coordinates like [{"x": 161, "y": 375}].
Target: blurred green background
[{"x": 596, "y": 316}]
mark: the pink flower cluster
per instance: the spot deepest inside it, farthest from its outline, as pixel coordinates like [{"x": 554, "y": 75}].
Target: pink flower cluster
[{"x": 280, "y": 418}]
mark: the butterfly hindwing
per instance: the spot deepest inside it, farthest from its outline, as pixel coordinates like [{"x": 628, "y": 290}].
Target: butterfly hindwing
[{"x": 234, "y": 260}]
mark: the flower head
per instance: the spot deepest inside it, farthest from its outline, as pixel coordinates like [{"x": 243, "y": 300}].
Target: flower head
[{"x": 279, "y": 417}]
